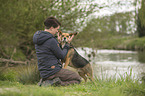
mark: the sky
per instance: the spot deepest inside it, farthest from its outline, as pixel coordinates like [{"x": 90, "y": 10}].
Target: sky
[{"x": 123, "y": 6}]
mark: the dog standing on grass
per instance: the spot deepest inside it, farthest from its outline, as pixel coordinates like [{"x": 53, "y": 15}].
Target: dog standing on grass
[{"x": 73, "y": 59}]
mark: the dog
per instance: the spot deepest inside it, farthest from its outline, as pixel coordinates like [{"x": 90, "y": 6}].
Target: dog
[{"x": 73, "y": 59}]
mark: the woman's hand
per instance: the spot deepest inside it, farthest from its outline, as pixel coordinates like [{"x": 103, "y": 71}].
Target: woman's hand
[
  {"x": 59, "y": 37},
  {"x": 70, "y": 38}
]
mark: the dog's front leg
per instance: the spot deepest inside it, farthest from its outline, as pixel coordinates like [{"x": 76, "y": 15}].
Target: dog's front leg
[{"x": 66, "y": 63}]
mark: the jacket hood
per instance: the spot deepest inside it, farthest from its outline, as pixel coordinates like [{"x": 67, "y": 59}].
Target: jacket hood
[{"x": 41, "y": 36}]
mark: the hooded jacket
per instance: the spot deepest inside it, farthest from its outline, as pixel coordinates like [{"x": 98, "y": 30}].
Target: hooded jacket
[{"x": 48, "y": 53}]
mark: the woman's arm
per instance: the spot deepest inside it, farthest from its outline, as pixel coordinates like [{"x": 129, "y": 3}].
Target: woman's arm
[{"x": 58, "y": 52}]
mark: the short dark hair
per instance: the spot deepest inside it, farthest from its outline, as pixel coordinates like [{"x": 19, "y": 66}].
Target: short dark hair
[{"x": 51, "y": 22}]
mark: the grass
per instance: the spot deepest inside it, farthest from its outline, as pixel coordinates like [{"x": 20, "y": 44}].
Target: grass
[
  {"x": 28, "y": 74},
  {"x": 103, "y": 88},
  {"x": 126, "y": 85}
]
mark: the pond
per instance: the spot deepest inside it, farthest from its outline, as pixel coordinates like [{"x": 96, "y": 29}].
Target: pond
[{"x": 117, "y": 63}]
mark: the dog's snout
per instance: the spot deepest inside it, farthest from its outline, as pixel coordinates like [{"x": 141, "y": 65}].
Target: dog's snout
[{"x": 64, "y": 38}]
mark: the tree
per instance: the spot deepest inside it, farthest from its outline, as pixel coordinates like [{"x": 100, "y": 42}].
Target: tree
[
  {"x": 104, "y": 28},
  {"x": 141, "y": 20},
  {"x": 21, "y": 18}
]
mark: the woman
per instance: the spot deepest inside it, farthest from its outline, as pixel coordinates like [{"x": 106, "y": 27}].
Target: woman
[{"x": 49, "y": 55}]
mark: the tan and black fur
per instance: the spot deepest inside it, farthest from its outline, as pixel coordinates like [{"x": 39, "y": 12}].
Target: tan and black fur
[{"x": 73, "y": 59}]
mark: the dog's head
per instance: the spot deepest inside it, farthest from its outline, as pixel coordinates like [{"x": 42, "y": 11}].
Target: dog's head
[{"x": 65, "y": 36}]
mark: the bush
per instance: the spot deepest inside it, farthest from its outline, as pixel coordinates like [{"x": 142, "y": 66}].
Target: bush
[{"x": 28, "y": 74}]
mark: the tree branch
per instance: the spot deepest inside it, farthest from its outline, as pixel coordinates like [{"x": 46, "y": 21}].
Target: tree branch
[{"x": 12, "y": 61}]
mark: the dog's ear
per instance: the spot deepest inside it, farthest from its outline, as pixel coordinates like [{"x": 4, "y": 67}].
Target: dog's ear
[
  {"x": 75, "y": 33},
  {"x": 60, "y": 32}
]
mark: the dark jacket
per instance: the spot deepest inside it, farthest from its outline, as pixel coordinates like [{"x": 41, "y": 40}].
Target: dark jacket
[{"x": 48, "y": 53}]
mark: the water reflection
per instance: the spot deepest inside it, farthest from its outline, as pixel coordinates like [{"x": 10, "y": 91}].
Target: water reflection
[
  {"x": 111, "y": 62},
  {"x": 141, "y": 57}
]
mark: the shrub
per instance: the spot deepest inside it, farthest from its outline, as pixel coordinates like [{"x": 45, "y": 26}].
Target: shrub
[{"x": 28, "y": 74}]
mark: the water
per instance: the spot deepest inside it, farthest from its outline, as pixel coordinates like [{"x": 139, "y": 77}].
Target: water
[{"x": 111, "y": 62}]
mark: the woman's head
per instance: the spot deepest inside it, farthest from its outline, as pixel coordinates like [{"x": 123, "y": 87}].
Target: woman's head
[
  {"x": 51, "y": 22},
  {"x": 52, "y": 25}
]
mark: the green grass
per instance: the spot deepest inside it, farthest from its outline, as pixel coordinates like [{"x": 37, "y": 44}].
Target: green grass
[
  {"x": 103, "y": 88},
  {"x": 23, "y": 82},
  {"x": 106, "y": 87},
  {"x": 28, "y": 74}
]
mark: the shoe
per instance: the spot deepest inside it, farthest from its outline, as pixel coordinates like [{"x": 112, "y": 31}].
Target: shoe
[
  {"x": 47, "y": 83},
  {"x": 55, "y": 82}
]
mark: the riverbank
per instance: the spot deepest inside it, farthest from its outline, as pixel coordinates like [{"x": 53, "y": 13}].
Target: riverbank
[
  {"x": 125, "y": 43},
  {"x": 113, "y": 42}
]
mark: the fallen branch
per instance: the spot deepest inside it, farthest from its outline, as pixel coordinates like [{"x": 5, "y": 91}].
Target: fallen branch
[{"x": 12, "y": 61}]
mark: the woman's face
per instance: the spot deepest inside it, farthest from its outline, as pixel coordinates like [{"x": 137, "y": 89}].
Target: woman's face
[{"x": 55, "y": 30}]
